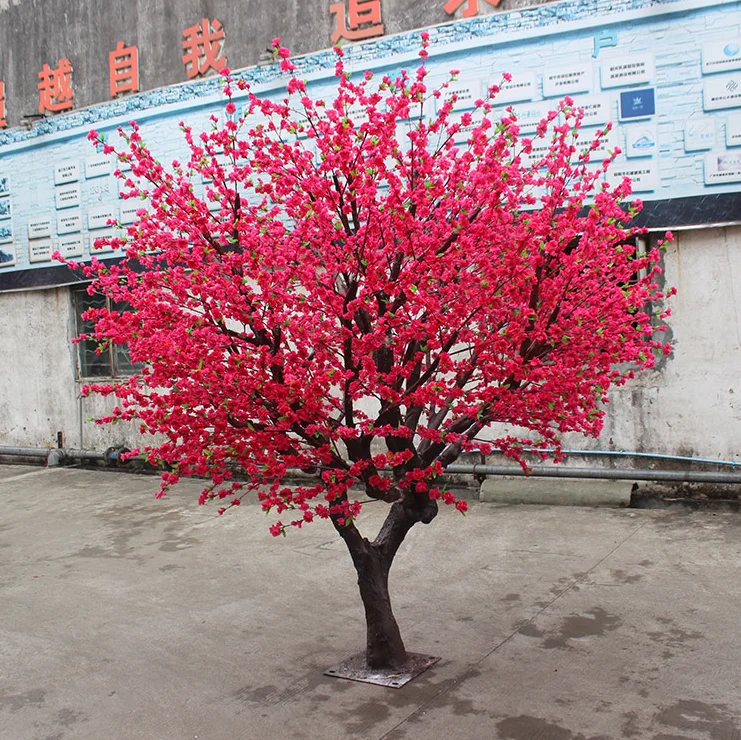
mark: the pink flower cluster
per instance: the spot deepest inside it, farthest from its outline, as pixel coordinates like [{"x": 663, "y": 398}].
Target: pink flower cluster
[{"x": 361, "y": 293}]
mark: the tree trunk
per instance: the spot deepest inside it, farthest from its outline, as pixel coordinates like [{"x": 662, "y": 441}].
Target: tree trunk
[
  {"x": 384, "y": 647},
  {"x": 372, "y": 560}
]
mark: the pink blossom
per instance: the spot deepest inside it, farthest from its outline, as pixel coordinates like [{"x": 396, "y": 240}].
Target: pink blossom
[{"x": 315, "y": 325}]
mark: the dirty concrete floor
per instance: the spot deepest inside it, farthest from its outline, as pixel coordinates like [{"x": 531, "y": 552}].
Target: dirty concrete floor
[{"x": 126, "y": 617}]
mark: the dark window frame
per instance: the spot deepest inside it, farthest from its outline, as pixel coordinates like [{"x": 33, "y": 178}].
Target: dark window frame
[{"x": 112, "y": 361}]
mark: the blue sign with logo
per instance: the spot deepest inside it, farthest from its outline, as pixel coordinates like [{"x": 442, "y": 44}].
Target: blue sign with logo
[{"x": 637, "y": 104}]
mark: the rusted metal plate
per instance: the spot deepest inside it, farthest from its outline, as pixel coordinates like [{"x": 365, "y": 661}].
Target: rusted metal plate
[{"x": 355, "y": 668}]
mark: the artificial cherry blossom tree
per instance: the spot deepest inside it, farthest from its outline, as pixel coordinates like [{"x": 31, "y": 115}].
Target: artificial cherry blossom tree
[{"x": 360, "y": 291}]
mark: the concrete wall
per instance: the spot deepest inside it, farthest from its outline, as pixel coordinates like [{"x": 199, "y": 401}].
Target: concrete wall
[
  {"x": 37, "y": 397},
  {"x": 690, "y": 405},
  {"x": 40, "y": 393},
  {"x": 34, "y": 32}
]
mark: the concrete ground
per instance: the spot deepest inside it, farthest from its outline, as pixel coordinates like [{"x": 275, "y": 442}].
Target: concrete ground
[{"x": 124, "y": 618}]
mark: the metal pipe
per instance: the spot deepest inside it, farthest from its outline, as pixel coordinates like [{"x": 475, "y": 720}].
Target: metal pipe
[
  {"x": 85, "y": 454},
  {"x": 676, "y": 476},
  {"x": 43, "y": 453},
  {"x": 25, "y": 451},
  {"x": 624, "y": 453}
]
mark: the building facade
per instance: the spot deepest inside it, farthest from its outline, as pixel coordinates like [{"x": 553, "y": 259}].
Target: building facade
[{"x": 666, "y": 72}]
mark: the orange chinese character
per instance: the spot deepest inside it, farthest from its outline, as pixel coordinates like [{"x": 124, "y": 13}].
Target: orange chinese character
[
  {"x": 471, "y": 9},
  {"x": 3, "y": 121},
  {"x": 123, "y": 68},
  {"x": 55, "y": 87},
  {"x": 366, "y": 13},
  {"x": 203, "y": 43}
]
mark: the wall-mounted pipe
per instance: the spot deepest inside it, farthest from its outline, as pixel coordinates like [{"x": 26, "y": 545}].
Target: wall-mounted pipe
[
  {"x": 647, "y": 455},
  {"x": 112, "y": 457},
  {"x": 24, "y": 452},
  {"x": 56, "y": 456},
  {"x": 671, "y": 476}
]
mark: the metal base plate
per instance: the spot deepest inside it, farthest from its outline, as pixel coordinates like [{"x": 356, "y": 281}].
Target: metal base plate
[{"x": 356, "y": 669}]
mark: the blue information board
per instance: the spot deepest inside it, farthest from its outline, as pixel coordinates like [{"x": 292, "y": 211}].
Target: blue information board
[{"x": 667, "y": 73}]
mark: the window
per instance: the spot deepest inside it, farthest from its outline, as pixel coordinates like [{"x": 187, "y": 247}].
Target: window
[
  {"x": 641, "y": 245},
  {"x": 112, "y": 361}
]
